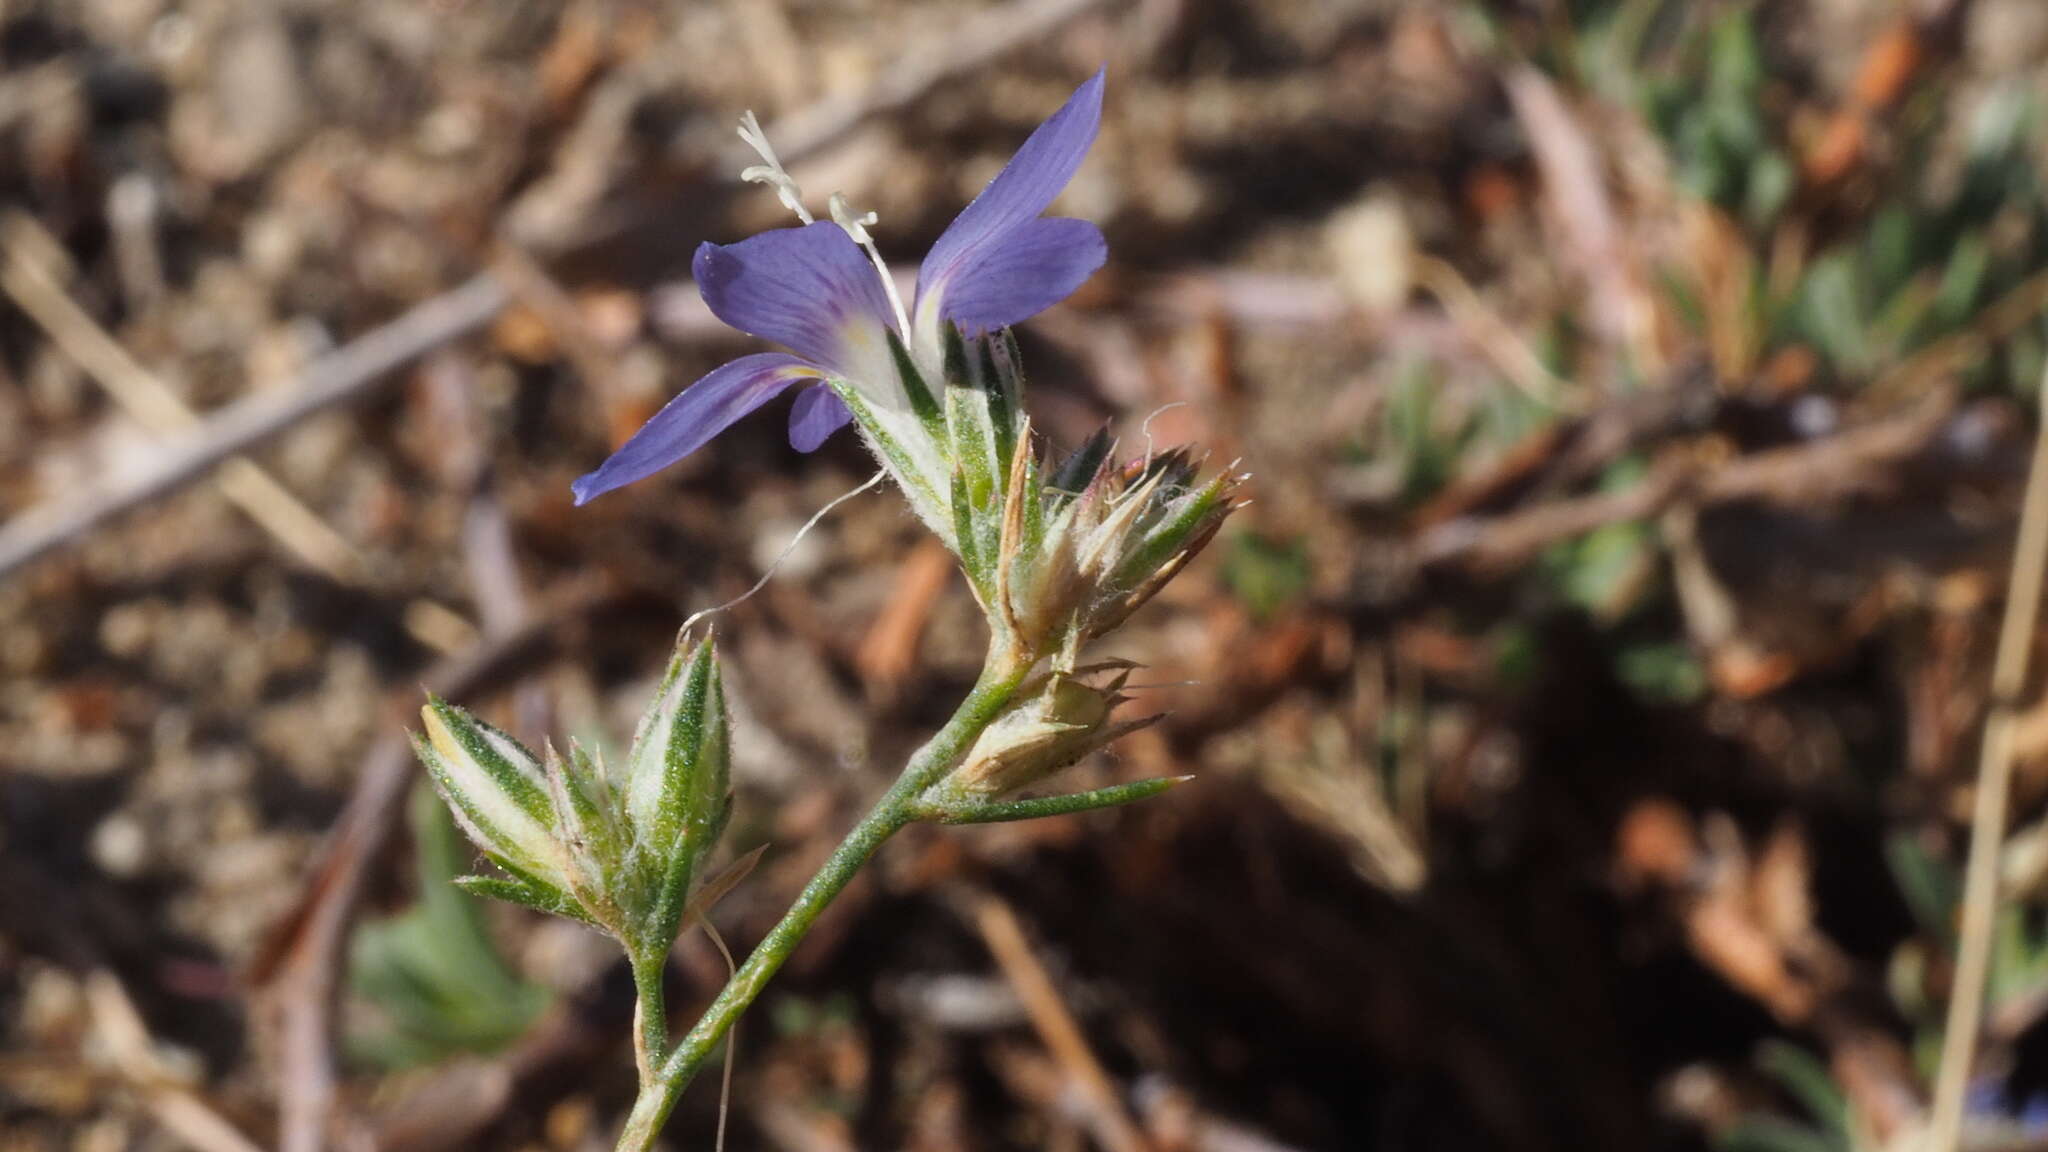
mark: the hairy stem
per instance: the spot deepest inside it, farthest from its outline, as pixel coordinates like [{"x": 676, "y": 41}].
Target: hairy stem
[
  {"x": 896, "y": 808},
  {"x": 650, "y": 1014}
]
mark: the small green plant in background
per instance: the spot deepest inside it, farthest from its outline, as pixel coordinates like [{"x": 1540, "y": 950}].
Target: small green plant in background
[
  {"x": 1266, "y": 575},
  {"x": 1802, "y": 1076},
  {"x": 1428, "y": 433},
  {"x": 431, "y": 976}
]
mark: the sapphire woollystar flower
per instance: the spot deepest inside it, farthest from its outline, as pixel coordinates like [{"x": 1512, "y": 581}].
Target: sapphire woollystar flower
[{"x": 814, "y": 291}]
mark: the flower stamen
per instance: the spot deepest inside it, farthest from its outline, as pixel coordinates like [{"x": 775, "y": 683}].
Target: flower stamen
[
  {"x": 857, "y": 227},
  {"x": 770, "y": 170}
]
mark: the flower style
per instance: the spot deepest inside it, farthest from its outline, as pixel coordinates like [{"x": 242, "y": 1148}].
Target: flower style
[{"x": 813, "y": 290}]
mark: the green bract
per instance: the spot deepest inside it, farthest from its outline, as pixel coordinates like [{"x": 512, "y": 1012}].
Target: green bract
[
  {"x": 1056, "y": 719},
  {"x": 1056, "y": 555}
]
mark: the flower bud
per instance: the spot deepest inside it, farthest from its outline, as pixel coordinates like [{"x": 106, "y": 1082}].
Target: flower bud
[
  {"x": 677, "y": 784},
  {"x": 616, "y": 852},
  {"x": 1093, "y": 541},
  {"x": 497, "y": 790},
  {"x": 1056, "y": 719}
]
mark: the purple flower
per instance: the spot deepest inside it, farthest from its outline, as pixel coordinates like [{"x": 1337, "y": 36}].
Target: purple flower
[{"x": 814, "y": 291}]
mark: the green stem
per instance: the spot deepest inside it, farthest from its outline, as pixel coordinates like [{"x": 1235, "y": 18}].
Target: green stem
[
  {"x": 895, "y": 809},
  {"x": 650, "y": 1041}
]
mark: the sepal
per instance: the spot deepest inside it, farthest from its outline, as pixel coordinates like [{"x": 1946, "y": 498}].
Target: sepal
[
  {"x": 495, "y": 788},
  {"x": 1096, "y": 541},
  {"x": 537, "y": 897}
]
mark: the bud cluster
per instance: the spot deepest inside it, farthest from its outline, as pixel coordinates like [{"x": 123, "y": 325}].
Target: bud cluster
[
  {"x": 616, "y": 850},
  {"x": 1057, "y": 554},
  {"x": 1056, "y": 719}
]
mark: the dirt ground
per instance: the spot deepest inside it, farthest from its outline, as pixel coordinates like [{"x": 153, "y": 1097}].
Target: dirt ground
[{"x": 1584, "y": 717}]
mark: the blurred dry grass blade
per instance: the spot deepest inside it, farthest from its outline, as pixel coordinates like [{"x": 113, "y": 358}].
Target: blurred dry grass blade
[
  {"x": 1107, "y": 1119},
  {"x": 2016, "y": 641},
  {"x": 1494, "y": 336},
  {"x": 888, "y": 653},
  {"x": 341, "y": 377},
  {"x": 1571, "y": 170},
  {"x": 127, "y": 1043},
  {"x": 35, "y": 287}
]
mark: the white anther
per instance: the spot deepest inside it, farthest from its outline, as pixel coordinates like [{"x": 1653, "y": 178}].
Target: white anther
[
  {"x": 856, "y": 226},
  {"x": 770, "y": 170}
]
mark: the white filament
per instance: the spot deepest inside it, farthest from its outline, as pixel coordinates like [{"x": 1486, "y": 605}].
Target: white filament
[{"x": 857, "y": 227}]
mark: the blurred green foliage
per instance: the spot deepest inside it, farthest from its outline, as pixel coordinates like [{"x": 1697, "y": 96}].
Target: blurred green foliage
[
  {"x": 1890, "y": 268},
  {"x": 432, "y": 977},
  {"x": 1805, "y": 1079},
  {"x": 1266, "y": 574}
]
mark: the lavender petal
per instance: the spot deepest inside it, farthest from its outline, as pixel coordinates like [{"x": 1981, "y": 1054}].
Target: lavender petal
[
  {"x": 810, "y": 289},
  {"x": 817, "y": 414},
  {"x": 1020, "y": 192},
  {"x": 686, "y": 423},
  {"x": 1025, "y": 272}
]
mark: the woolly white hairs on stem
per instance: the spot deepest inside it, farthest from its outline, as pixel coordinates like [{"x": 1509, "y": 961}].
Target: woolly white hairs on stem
[{"x": 788, "y": 548}]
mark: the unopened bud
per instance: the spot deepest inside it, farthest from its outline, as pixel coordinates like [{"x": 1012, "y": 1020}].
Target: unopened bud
[
  {"x": 1096, "y": 540},
  {"x": 677, "y": 783},
  {"x": 618, "y": 852},
  {"x": 497, "y": 790},
  {"x": 1057, "y": 719}
]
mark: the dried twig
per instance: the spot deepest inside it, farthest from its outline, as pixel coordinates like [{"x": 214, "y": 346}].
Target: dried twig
[
  {"x": 979, "y": 42},
  {"x": 342, "y": 377},
  {"x": 35, "y": 288},
  {"x": 126, "y": 1041},
  {"x": 1107, "y": 1119},
  {"x": 2016, "y": 638},
  {"x": 1797, "y": 475}
]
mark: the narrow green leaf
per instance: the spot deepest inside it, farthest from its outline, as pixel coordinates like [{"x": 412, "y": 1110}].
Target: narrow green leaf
[
  {"x": 1011, "y": 810},
  {"x": 531, "y": 894},
  {"x": 1771, "y": 1134},
  {"x": 1807, "y": 1079}
]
